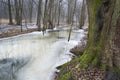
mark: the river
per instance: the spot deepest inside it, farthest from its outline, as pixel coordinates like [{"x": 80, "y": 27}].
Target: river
[{"x": 45, "y": 52}]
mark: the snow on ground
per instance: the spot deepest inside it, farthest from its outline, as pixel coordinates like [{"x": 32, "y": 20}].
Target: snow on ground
[{"x": 64, "y": 58}]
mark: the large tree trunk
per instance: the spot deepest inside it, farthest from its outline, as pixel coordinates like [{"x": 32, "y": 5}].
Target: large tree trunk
[
  {"x": 103, "y": 45},
  {"x": 102, "y": 49}
]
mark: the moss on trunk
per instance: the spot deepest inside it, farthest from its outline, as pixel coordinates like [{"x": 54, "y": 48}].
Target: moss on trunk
[
  {"x": 90, "y": 58},
  {"x": 103, "y": 48},
  {"x": 103, "y": 16}
]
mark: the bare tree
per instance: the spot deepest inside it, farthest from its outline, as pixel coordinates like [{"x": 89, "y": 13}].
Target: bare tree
[
  {"x": 69, "y": 12},
  {"x": 10, "y": 13},
  {"x": 51, "y": 16},
  {"x": 55, "y": 12},
  {"x": 82, "y": 15},
  {"x": 74, "y": 10},
  {"x": 18, "y": 9},
  {"x": 39, "y": 14},
  {"x": 72, "y": 19},
  {"x": 59, "y": 11},
  {"x": 30, "y": 10},
  {"x": 45, "y": 19}
]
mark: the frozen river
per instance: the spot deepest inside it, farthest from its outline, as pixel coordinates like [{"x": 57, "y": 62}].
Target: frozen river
[{"x": 45, "y": 52}]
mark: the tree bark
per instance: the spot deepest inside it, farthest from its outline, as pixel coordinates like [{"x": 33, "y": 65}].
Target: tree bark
[
  {"x": 82, "y": 15},
  {"x": 10, "y": 13},
  {"x": 45, "y": 19},
  {"x": 39, "y": 15},
  {"x": 59, "y": 11},
  {"x": 30, "y": 10},
  {"x": 72, "y": 21},
  {"x": 50, "y": 20},
  {"x": 18, "y": 9}
]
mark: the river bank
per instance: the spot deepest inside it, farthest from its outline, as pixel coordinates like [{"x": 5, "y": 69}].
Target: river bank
[{"x": 13, "y": 30}]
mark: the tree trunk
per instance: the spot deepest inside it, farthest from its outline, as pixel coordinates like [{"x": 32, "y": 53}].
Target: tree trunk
[
  {"x": 39, "y": 15},
  {"x": 30, "y": 10},
  {"x": 74, "y": 10},
  {"x": 68, "y": 12},
  {"x": 72, "y": 20},
  {"x": 59, "y": 11},
  {"x": 103, "y": 45},
  {"x": 20, "y": 12},
  {"x": 17, "y": 12},
  {"x": 10, "y": 13},
  {"x": 55, "y": 14},
  {"x": 45, "y": 19},
  {"x": 103, "y": 48},
  {"x": 18, "y": 9},
  {"x": 82, "y": 15},
  {"x": 50, "y": 20}
]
